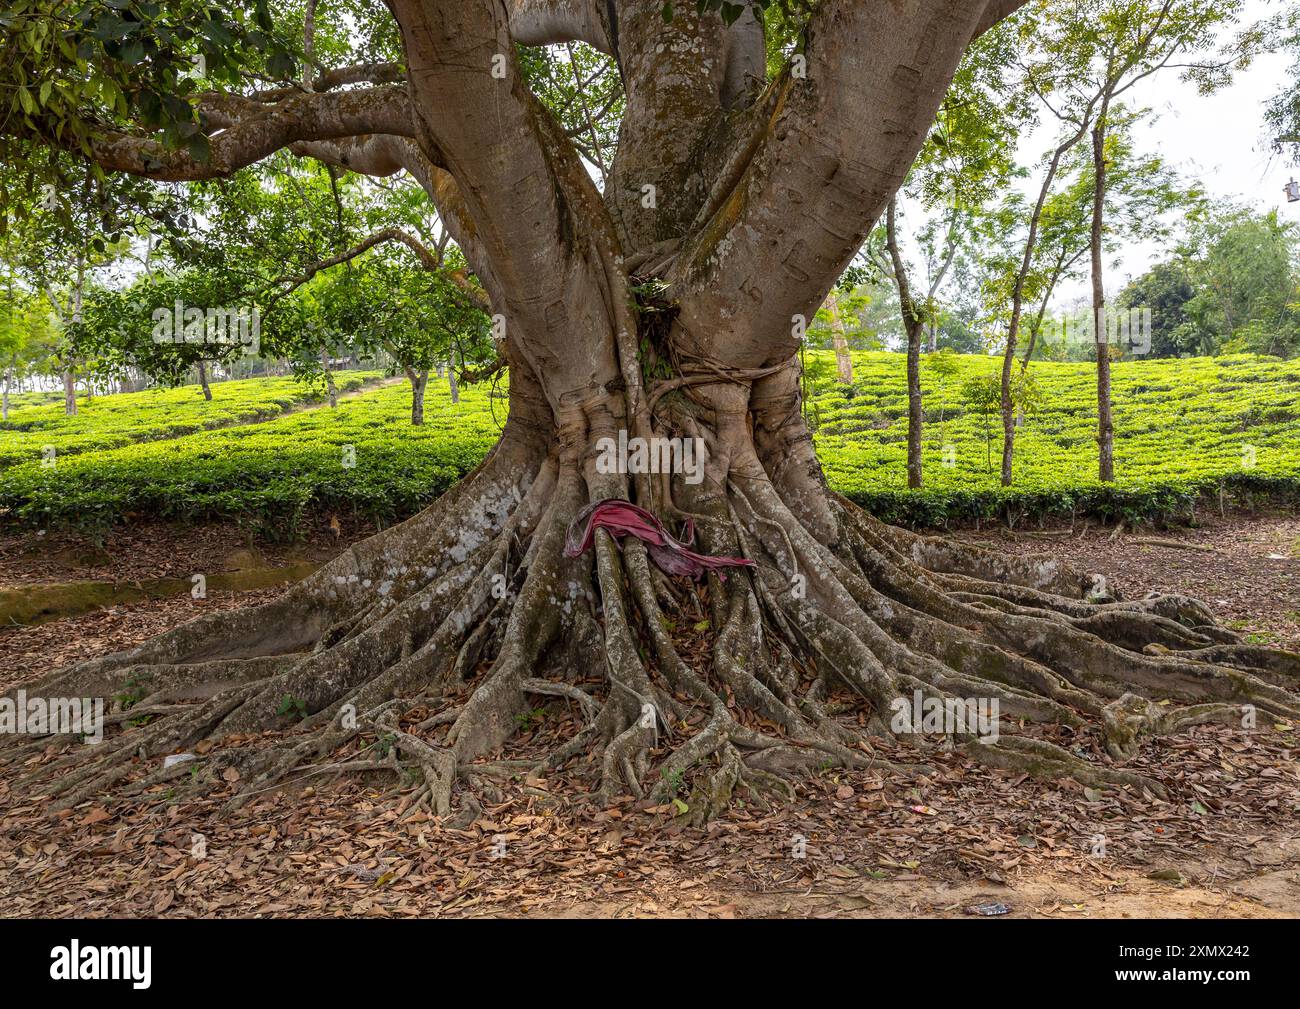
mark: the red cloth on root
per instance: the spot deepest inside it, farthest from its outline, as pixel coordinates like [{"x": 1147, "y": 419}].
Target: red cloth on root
[{"x": 622, "y": 518}]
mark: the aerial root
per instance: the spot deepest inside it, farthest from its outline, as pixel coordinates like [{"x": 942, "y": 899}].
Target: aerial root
[
  {"x": 1049, "y": 762},
  {"x": 1132, "y": 718}
]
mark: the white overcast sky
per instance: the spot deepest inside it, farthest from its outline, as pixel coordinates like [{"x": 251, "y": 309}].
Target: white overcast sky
[{"x": 1218, "y": 140}]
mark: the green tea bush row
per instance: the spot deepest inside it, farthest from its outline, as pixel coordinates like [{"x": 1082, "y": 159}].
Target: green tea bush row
[{"x": 1190, "y": 434}]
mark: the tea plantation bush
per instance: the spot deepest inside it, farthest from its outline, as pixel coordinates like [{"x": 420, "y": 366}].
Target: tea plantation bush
[
  {"x": 364, "y": 459},
  {"x": 112, "y": 421},
  {"x": 1183, "y": 429},
  {"x": 1226, "y": 428}
]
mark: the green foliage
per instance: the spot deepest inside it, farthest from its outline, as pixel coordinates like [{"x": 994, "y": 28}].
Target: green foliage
[
  {"x": 582, "y": 88},
  {"x": 73, "y": 69},
  {"x": 1233, "y": 287},
  {"x": 1165, "y": 289},
  {"x": 137, "y": 689},
  {"x": 292, "y": 707},
  {"x": 982, "y": 395},
  {"x": 1247, "y": 275},
  {"x": 943, "y": 364}
]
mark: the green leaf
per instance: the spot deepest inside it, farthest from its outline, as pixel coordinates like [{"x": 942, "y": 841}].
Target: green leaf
[{"x": 199, "y": 148}]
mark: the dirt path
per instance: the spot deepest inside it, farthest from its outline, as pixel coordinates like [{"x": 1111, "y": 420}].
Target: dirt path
[{"x": 859, "y": 844}]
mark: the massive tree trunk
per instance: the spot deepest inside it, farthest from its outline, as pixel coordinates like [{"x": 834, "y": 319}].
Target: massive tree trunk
[{"x": 441, "y": 633}]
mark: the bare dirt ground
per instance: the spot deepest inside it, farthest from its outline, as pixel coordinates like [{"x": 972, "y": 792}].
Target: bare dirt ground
[{"x": 852, "y": 844}]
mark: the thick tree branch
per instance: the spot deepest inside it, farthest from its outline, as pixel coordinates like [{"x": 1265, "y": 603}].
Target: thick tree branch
[
  {"x": 251, "y": 137},
  {"x": 552, "y": 22},
  {"x": 536, "y": 212},
  {"x": 381, "y": 156},
  {"x": 357, "y": 73},
  {"x": 803, "y": 192},
  {"x": 996, "y": 11}
]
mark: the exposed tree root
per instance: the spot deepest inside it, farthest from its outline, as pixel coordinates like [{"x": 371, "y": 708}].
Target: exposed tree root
[{"x": 422, "y": 651}]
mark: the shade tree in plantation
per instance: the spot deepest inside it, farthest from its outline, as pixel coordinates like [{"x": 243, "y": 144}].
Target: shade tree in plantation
[
  {"x": 167, "y": 327},
  {"x": 1080, "y": 63},
  {"x": 1145, "y": 202},
  {"x": 967, "y": 160},
  {"x": 664, "y": 306},
  {"x": 1243, "y": 268},
  {"x": 413, "y": 313},
  {"x": 28, "y": 335},
  {"x": 62, "y": 225},
  {"x": 1140, "y": 39}
]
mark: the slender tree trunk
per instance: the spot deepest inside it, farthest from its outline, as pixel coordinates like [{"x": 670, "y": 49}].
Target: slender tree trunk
[
  {"x": 1105, "y": 426},
  {"x": 1018, "y": 301},
  {"x": 329, "y": 378},
  {"x": 950, "y": 254},
  {"x": 915, "y": 330},
  {"x": 419, "y": 381},
  {"x": 915, "y": 413},
  {"x": 69, "y": 393},
  {"x": 843, "y": 361},
  {"x": 451, "y": 380},
  {"x": 1063, "y": 263},
  {"x": 69, "y": 379},
  {"x": 4, "y": 403},
  {"x": 203, "y": 380}
]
